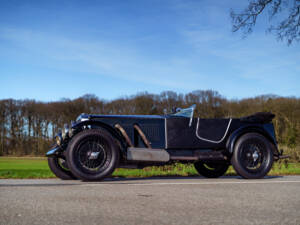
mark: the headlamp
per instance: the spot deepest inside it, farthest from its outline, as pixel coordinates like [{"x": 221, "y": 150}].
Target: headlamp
[{"x": 58, "y": 138}]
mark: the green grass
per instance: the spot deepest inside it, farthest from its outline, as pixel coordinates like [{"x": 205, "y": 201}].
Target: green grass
[
  {"x": 169, "y": 170},
  {"x": 23, "y": 167},
  {"x": 37, "y": 167}
]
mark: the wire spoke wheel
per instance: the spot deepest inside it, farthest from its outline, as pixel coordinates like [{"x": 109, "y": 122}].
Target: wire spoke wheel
[
  {"x": 211, "y": 169},
  {"x": 60, "y": 168},
  {"x": 253, "y": 156},
  {"x": 92, "y": 154}
]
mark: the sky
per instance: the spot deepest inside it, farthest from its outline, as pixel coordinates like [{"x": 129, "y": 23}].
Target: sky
[{"x": 51, "y": 50}]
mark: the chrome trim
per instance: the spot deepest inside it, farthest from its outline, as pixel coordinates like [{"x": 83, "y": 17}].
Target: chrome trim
[
  {"x": 82, "y": 117},
  {"x": 193, "y": 110},
  {"x": 216, "y": 142},
  {"x": 166, "y": 132}
]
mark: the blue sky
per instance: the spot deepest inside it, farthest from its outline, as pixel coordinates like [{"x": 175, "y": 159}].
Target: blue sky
[{"x": 64, "y": 49}]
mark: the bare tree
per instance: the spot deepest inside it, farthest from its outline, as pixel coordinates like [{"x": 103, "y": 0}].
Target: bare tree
[
  {"x": 288, "y": 27},
  {"x": 27, "y": 126}
]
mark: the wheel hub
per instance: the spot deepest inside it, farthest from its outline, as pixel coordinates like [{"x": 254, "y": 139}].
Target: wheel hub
[
  {"x": 255, "y": 156},
  {"x": 93, "y": 155}
]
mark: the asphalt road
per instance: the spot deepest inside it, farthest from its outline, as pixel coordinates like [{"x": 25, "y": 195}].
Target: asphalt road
[{"x": 274, "y": 200}]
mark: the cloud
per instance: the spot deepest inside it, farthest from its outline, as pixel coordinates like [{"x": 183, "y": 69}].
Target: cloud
[
  {"x": 259, "y": 57},
  {"x": 101, "y": 57}
]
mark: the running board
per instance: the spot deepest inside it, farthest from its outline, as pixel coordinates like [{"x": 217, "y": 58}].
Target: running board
[
  {"x": 147, "y": 155},
  {"x": 197, "y": 155}
]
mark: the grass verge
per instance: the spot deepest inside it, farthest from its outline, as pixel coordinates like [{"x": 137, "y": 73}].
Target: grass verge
[{"x": 37, "y": 167}]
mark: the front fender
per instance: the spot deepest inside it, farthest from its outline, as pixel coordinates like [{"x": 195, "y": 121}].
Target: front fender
[
  {"x": 56, "y": 150},
  {"x": 267, "y": 130},
  {"x": 97, "y": 124}
]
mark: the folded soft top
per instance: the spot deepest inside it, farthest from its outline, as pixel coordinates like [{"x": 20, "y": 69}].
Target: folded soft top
[{"x": 260, "y": 117}]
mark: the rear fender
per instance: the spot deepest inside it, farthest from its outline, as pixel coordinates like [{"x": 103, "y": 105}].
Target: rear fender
[{"x": 267, "y": 130}]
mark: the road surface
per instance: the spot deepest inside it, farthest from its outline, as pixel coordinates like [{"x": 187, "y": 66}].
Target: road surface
[{"x": 228, "y": 200}]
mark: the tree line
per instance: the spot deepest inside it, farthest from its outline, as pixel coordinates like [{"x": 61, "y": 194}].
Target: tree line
[{"x": 27, "y": 127}]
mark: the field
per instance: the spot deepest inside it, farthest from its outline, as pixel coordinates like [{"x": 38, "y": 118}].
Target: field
[{"x": 37, "y": 167}]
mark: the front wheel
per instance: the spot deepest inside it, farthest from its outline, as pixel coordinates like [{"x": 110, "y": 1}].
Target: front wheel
[
  {"x": 59, "y": 167},
  {"x": 211, "y": 169},
  {"x": 253, "y": 156},
  {"x": 92, "y": 154}
]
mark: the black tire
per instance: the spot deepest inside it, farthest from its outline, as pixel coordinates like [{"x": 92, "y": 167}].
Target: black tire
[
  {"x": 59, "y": 167},
  {"x": 211, "y": 169},
  {"x": 92, "y": 155},
  {"x": 253, "y": 156}
]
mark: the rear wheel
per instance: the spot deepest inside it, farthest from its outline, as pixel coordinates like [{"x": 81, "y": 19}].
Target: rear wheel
[
  {"x": 92, "y": 154},
  {"x": 211, "y": 169},
  {"x": 253, "y": 156},
  {"x": 60, "y": 168}
]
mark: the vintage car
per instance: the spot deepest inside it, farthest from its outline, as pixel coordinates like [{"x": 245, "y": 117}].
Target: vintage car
[{"x": 95, "y": 145}]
